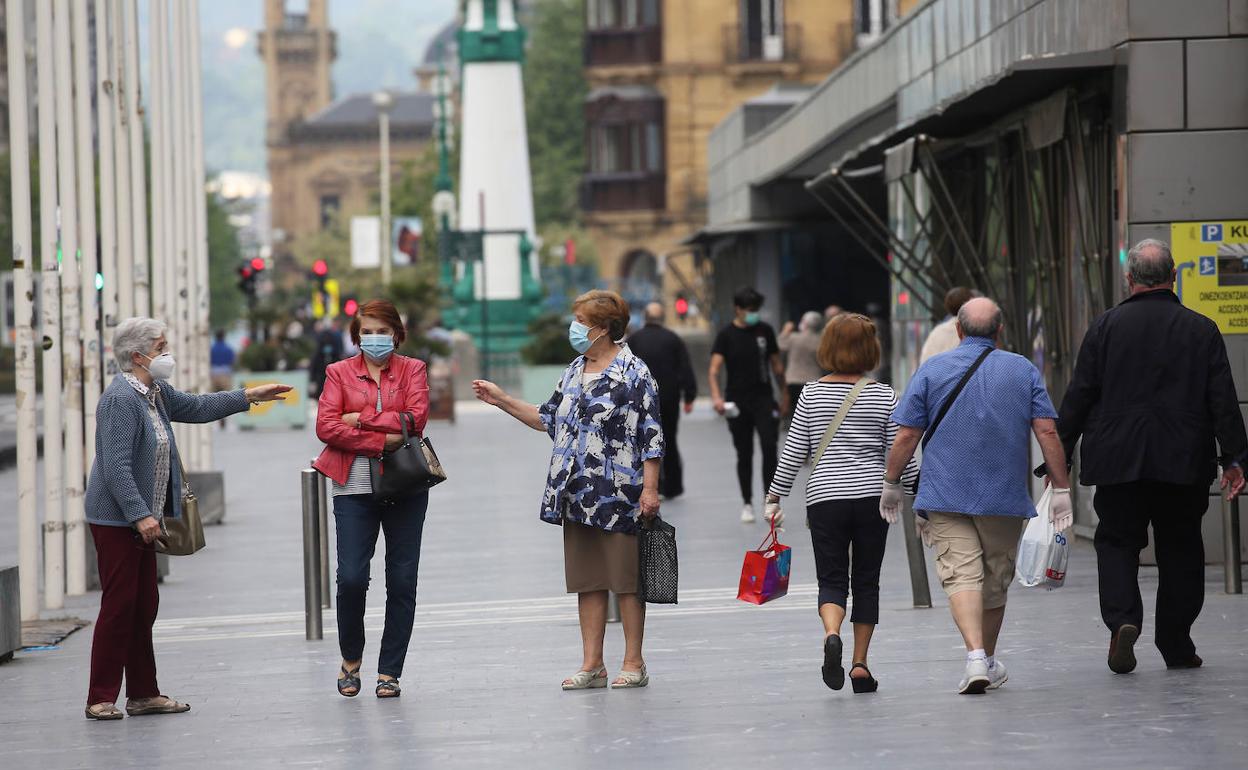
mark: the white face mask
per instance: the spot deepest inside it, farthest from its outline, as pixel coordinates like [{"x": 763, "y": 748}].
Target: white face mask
[{"x": 161, "y": 367}]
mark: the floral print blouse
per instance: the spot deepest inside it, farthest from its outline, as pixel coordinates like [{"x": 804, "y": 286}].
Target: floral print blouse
[{"x": 603, "y": 432}]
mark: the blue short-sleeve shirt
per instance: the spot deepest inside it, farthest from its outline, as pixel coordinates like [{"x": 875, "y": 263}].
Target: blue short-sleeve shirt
[{"x": 978, "y": 461}]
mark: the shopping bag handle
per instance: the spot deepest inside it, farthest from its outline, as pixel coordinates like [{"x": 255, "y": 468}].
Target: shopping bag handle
[{"x": 770, "y": 540}]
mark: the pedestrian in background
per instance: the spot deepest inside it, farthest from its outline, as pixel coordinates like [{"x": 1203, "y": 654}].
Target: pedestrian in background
[
  {"x": 665, "y": 355},
  {"x": 944, "y": 336},
  {"x": 1153, "y": 398},
  {"x": 135, "y": 482},
  {"x": 800, "y": 345},
  {"x": 747, "y": 351},
  {"x": 843, "y": 491},
  {"x": 359, "y": 416},
  {"x": 221, "y": 363},
  {"x": 974, "y": 493},
  {"x": 603, "y": 479},
  {"x": 328, "y": 350}
]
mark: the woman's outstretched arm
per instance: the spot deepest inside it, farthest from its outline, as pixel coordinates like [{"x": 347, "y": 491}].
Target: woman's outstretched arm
[{"x": 495, "y": 396}]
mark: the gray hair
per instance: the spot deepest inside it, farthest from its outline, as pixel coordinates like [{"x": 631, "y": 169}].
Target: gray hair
[
  {"x": 979, "y": 324},
  {"x": 812, "y": 320},
  {"x": 135, "y": 335},
  {"x": 1150, "y": 269}
]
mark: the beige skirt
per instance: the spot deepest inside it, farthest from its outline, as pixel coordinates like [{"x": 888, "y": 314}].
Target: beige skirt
[{"x": 597, "y": 560}]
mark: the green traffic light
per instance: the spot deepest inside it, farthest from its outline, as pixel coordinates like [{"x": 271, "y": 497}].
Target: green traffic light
[{"x": 99, "y": 281}]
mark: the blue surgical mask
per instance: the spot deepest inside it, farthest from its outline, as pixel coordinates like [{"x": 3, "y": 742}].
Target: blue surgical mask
[
  {"x": 378, "y": 347},
  {"x": 578, "y": 336},
  {"x": 752, "y": 318}
]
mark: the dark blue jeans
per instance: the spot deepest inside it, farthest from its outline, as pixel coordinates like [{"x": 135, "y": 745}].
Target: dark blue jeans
[{"x": 357, "y": 520}]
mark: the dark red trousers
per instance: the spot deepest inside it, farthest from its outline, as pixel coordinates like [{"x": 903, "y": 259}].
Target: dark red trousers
[{"x": 123, "y": 632}]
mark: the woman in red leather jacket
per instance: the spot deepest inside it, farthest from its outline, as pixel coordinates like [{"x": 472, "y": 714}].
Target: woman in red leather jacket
[{"x": 358, "y": 418}]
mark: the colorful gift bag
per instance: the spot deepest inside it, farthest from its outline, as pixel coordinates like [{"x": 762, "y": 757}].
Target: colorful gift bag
[{"x": 765, "y": 574}]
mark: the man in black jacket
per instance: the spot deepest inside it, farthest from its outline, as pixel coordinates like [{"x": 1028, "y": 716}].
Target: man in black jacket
[
  {"x": 1151, "y": 392},
  {"x": 665, "y": 354}
]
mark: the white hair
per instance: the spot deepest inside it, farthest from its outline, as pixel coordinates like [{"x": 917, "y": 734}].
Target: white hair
[
  {"x": 1150, "y": 264},
  {"x": 811, "y": 320},
  {"x": 135, "y": 335}
]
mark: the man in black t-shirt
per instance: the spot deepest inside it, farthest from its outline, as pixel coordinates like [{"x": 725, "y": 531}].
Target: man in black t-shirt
[{"x": 747, "y": 349}]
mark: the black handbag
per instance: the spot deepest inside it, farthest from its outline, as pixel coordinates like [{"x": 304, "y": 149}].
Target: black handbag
[
  {"x": 409, "y": 470},
  {"x": 658, "y": 571}
]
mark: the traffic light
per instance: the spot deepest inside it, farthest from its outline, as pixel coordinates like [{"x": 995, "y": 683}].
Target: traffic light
[
  {"x": 320, "y": 268},
  {"x": 682, "y": 306},
  {"x": 247, "y": 274},
  {"x": 350, "y": 306}
]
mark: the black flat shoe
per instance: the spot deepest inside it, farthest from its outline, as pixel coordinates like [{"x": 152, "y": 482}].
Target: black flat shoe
[
  {"x": 1192, "y": 662},
  {"x": 833, "y": 671},
  {"x": 350, "y": 680},
  {"x": 1122, "y": 649},
  {"x": 388, "y": 688},
  {"x": 863, "y": 684}
]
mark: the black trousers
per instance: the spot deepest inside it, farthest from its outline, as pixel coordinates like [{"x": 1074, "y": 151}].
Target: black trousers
[
  {"x": 849, "y": 538},
  {"x": 758, "y": 415},
  {"x": 1175, "y": 511},
  {"x": 672, "y": 477}
]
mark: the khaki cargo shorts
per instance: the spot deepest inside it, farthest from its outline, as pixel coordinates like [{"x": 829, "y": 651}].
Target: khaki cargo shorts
[{"x": 976, "y": 553}]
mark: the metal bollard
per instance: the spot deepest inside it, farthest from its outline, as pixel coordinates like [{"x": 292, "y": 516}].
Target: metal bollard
[
  {"x": 322, "y": 490},
  {"x": 613, "y": 608},
  {"x": 914, "y": 554},
  {"x": 1230, "y": 546},
  {"x": 311, "y": 553}
]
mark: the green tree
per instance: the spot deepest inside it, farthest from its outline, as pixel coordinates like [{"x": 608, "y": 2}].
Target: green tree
[
  {"x": 554, "y": 90},
  {"x": 6, "y": 212},
  {"x": 225, "y": 301}
]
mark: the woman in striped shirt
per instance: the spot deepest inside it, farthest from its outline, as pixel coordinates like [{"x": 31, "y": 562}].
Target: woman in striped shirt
[{"x": 843, "y": 492}]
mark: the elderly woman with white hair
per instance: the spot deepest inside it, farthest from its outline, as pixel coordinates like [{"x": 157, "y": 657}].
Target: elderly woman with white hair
[
  {"x": 800, "y": 344},
  {"x": 134, "y": 484}
]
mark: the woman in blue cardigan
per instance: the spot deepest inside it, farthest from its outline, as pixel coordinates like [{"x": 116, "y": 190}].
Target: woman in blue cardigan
[{"x": 135, "y": 482}]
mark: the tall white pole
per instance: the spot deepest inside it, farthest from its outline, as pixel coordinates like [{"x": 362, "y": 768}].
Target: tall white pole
[
  {"x": 165, "y": 246},
  {"x": 71, "y": 313},
  {"x": 91, "y": 346},
  {"x": 204, "y": 326},
  {"x": 181, "y": 207},
  {"x": 387, "y": 253},
  {"x": 23, "y": 314},
  {"x": 158, "y": 110},
  {"x": 138, "y": 174},
  {"x": 53, "y": 513},
  {"x": 121, "y": 168},
  {"x": 106, "y": 108}
]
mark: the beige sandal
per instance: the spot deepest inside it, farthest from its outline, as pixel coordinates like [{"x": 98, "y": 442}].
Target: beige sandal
[
  {"x": 161, "y": 704},
  {"x": 587, "y": 680},
  {"x": 104, "y": 712},
  {"x": 630, "y": 679}
]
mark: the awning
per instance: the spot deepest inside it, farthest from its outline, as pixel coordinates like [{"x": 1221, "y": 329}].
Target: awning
[{"x": 711, "y": 232}]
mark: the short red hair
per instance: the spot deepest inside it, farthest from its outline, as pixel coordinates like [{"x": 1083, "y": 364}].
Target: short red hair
[{"x": 383, "y": 310}]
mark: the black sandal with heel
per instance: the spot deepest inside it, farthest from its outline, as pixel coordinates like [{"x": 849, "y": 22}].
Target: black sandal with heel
[
  {"x": 863, "y": 684},
  {"x": 350, "y": 680},
  {"x": 388, "y": 688},
  {"x": 833, "y": 671}
]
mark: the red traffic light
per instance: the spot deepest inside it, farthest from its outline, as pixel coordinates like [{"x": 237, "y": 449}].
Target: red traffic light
[
  {"x": 257, "y": 264},
  {"x": 682, "y": 306},
  {"x": 244, "y": 271},
  {"x": 350, "y": 307},
  {"x": 320, "y": 268}
]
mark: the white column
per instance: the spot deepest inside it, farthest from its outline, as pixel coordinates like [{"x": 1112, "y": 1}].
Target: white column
[
  {"x": 71, "y": 313},
  {"x": 203, "y": 454},
  {"x": 87, "y": 230},
  {"x": 181, "y": 206},
  {"x": 157, "y": 111},
  {"x": 53, "y": 513},
  {"x": 164, "y": 158},
  {"x": 121, "y": 168},
  {"x": 387, "y": 253},
  {"x": 138, "y": 175},
  {"x": 24, "y": 353},
  {"x": 106, "y": 98}
]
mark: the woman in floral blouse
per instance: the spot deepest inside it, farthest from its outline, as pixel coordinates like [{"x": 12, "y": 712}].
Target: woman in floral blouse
[{"x": 604, "y": 475}]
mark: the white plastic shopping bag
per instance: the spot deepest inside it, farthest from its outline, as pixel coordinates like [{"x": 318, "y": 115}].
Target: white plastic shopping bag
[{"x": 1043, "y": 551}]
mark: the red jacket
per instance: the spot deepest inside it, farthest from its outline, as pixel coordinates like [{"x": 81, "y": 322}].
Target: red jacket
[{"x": 348, "y": 388}]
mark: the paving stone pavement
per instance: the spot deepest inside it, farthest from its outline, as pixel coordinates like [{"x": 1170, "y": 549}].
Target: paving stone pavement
[{"x": 732, "y": 685}]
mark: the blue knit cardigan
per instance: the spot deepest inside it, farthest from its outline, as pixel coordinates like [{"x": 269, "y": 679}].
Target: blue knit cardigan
[{"x": 123, "y": 478}]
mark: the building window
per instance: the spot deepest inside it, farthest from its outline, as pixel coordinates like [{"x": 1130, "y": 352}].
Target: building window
[
  {"x": 621, "y": 14},
  {"x": 762, "y": 30},
  {"x": 330, "y": 206},
  {"x": 872, "y": 17},
  {"x": 622, "y": 148}
]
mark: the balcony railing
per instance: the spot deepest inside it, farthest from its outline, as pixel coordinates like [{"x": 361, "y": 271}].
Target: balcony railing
[
  {"x": 634, "y": 45},
  {"x": 625, "y": 191},
  {"x": 739, "y": 47}
]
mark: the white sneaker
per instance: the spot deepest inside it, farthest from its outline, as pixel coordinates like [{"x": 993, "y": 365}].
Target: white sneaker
[
  {"x": 997, "y": 676},
  {"x": 747, "y": 514},
  {"x": 976, "y": 680}
]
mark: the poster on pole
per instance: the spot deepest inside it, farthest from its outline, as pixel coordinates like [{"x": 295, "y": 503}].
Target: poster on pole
[
  {"x": 365, "y": 242},
  {"x": 1211, "y": 263},
  {"x": 406, "y": 234}
]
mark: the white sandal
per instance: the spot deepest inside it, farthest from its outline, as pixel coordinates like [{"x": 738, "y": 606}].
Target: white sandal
[
  {"x": 631, "y": 679},
  {"x": 587, "y": 680}
]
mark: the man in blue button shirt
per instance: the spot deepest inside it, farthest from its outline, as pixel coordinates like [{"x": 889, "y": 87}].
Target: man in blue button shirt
[{"x": 974, "y": 487}]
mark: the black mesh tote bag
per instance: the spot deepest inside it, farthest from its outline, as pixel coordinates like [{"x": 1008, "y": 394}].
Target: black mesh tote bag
[{"x": 656, "y": 546}]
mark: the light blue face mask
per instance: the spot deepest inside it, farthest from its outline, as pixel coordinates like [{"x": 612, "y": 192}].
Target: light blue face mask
[
  {"x": 578, "y": 336},
  {"x": 752, "y": 318},
  {"x": 378, "y": 347}
]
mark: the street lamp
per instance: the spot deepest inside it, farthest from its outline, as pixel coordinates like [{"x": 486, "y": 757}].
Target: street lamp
[{"x": 384, "y": 102}]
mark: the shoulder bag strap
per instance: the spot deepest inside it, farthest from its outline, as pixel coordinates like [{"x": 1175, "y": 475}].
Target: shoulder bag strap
[
  {"x": 944, "y": 408},
  {"x": 186, "y": 485},
  {"x": 839, "y": 418}
]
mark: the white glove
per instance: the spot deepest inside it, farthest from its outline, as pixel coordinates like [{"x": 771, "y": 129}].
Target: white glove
[
  {"x": 923, "y": 528},
  {"x": 891, "y": 500},
  {"x": 1061, "y": 510},
  {"x": 773, "y": 515}
]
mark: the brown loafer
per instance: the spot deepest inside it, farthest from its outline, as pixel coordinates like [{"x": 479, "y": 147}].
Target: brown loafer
[
  {"x": 1192, "y": 662},
  {"x": 159, "y": 705},
  {"x": 1122, "y": 649}
]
